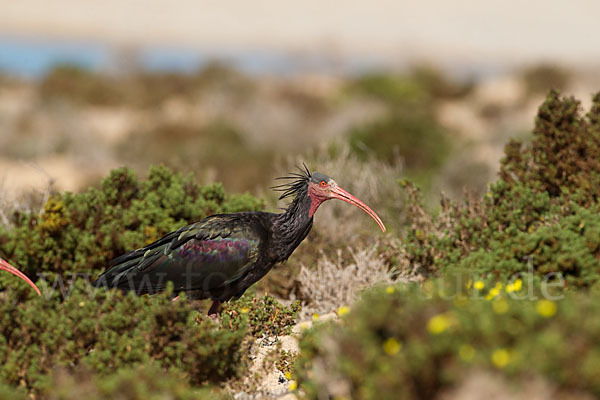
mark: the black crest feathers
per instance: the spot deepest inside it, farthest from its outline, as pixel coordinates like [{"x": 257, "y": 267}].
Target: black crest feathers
[{"x": 298, "y": 182}]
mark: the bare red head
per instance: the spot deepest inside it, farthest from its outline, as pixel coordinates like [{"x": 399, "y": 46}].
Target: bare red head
[
  {"x": 7, "y": 267},
  {"x": 322, "y": 188}
]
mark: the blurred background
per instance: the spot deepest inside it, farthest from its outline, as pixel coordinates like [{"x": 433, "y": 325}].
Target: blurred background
[{"x": 366, "y": 91}]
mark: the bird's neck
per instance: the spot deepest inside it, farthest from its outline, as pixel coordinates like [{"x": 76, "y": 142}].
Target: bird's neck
[{"x": 293, "y": 225}]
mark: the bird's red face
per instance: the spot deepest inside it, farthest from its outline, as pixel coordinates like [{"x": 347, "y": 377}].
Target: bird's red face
[
  {"x": 322, "y": 188},
  {"x": 9, "y": 268}
]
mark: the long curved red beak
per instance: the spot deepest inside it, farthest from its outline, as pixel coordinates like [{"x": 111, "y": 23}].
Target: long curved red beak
[
  {"x": 341, "y": 194},
  {"x": 7, "y": 267}
]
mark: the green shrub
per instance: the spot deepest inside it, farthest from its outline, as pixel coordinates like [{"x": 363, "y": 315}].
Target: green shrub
[
  {"x": 392, "y": 89},
  {"x": 569, "y": 247},
  {"x": 412, "y": 135},
  {"x": 106, "y": 330},
  {"x": 79, "y": 85},
  {"x": 563, "y": 158},
  {"x": 80, "y": 233},
  {"x": 544, "y": 206},
  {"x": 80, "y": 328},
  {"x": 142, "y": 89},
  {"x": 264, "y": 316},
  {"x": 140, "y": 383},
  {"x": 411, "y": 343},
  {"x": 408, "y": 132}
]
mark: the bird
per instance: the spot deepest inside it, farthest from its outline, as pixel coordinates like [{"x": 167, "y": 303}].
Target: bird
[
  {"x": 4, "y": 265},
  {"x": 222, "y": 255}
]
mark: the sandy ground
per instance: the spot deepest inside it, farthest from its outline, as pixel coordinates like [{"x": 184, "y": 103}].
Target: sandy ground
[{"x": 507, "y": 32}]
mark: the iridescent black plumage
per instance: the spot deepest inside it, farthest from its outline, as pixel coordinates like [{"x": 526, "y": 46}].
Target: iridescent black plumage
[{"x": 222, "y": 255}]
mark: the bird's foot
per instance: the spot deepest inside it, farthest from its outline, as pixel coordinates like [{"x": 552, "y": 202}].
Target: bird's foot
[
  {"x": 175, "y": 298},
  {"x": 214, "y": 309}
]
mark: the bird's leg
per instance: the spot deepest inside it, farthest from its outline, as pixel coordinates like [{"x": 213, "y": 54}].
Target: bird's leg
[
  {"x": 175, "y": 298},
  {"x": 214, "y": 309}
]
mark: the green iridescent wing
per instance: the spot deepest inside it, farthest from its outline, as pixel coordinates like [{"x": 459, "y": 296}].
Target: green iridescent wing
[{"x": 209, "y": 254}]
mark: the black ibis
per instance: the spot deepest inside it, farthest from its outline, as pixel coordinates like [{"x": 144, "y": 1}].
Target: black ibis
[
  {"x": 4, "y": 265},
  {"x": 220, "y": 256}
]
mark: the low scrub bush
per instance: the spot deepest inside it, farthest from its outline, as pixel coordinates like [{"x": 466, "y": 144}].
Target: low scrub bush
[
  {"x": 82, "y": 232},
  {"x": 408, "y": 132},
  {"x": 140, "y": 383},
  {"x": 141, "y": 89},
  {"x": 413, "y": 343},
  {"x": 543, "y": 208},
  {"x": 103, "y": 332}
]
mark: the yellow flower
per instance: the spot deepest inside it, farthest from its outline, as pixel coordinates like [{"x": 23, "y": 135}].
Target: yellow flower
[
  {"x": 492, "y": 293},
  {"x": 244, "y": 310},
  {"x": 479, "y": 285},
  {"x": 518, "y": 285},
  {"x": 391, "y": 346},
  {"x": 466, "y": 352},
  {"x": 500, "y": 358},
  {"x": 438, "y": 324},
  {"x": 292, "y": 386},
  {"x": 546, "y": 308},
  {"x": 288, "y": 375},
  {"x": 304, "y": 325},
  {"x": 500, "y": 306},
  {"x": 389, "y": 289},
  {"x": 315, "y": 317},
  {"x": 81, "y": 304},
  {"x": 515, "y": 286},
  {"x": 420, "y": 234},
  {"x": 343, "y": 310}
]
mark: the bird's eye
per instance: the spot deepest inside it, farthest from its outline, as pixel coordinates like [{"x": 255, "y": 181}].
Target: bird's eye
[{"x": 323, "y": 183}]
